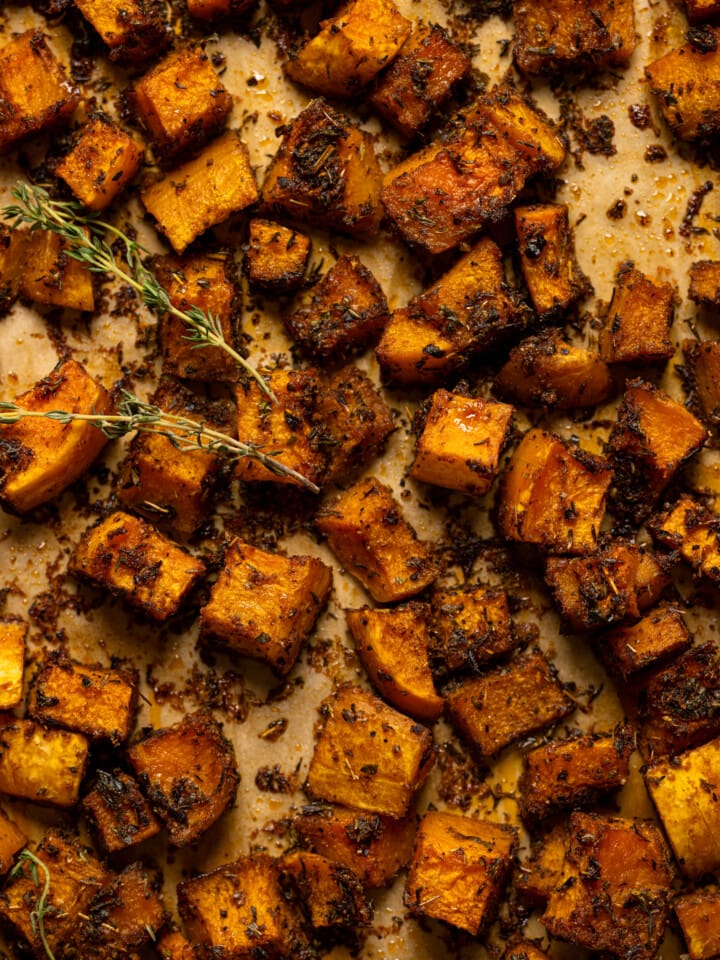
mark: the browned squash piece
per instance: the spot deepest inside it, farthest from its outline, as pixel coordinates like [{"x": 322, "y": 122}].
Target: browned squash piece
[
  {"x": 43, "y": 766},
  {"x": 135, "y": 31},
  {"x": 325, "y": 173},
  {"x": 659, "y": 636},
  {"x": 276, "y": 257},
  {"x": 367, "y": 532},
  {"x": 698, "y": 11},
  {"x": 699, "y": 915},
  {"x": 128, "y": 557},
  {"x": 420, "y": 78},
  {"x": 686, "y": 84},
  {"x": 103, "y": 160},
  {"x": 13, "y": 246},
  {"x": 41, "y": 457},
  {"x": 119, "y": 815},
  {"x": 702, "y": 373},
  {"x": 13, "y": 632},
  {"x": 172, "y": 945},
  {"x": 459, "y": 869},
  {"x": 692, "y": 530},
  {"x": 212, "y": 10},
  {"x": 12, "y": 840},
  {"x": 35, "y": 93},
  {"x": 189, "y": 774},
  {"x": 331, "y": 893},
  {"x": 54, "y": 278},
  {"x": 393, "y": 648},
  {"x": 367, "y": 755},
  {"x": 470, "y": 627},
  {"x": 637, "y": 327},
  {"x": 544, "y": 869},
  {"x": 704, "y": 285},
  {"x": 553, "y": 495},
  {"x": 351, "y": 48},
  {"x": 524, "y": 950}
]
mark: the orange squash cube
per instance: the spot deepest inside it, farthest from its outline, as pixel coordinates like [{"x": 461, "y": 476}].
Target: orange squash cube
[
  {"x": 705, "y": 282},
  {"x": 331, "y": 893},
  {"x": 659, "y": 636},
  {"x": 685, "y": 85},
  {"x": 134, "y": 31},
  {"x": 172, "y": 945},
  {"x": 118, "y": 814},
  {"x": 544, "y": 869},
  {"x": 103, "y": 160},
  {"x": 54, "y": 278},
  {"x": 276, "y": 257},
  {"x": 693, "y": 531},
  {"x": 702, "y": 373},
  {"x": 13, "y": 632},
  {"x": 12, "y": 840},
  {"x": 637, "y": 327},
  {"x": 39, "y": 765},
  {"x": 13, "y": 246},
  {"x": 470, "y": 627},
  {"x": 699, "y": 916}
]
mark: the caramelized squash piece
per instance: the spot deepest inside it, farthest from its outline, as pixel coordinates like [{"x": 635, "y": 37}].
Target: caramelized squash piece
[
  {"x": 470, "y": 627},
  {"x": 12, "y": 840},
  {"x": 119, "y": 815},
  {"x": 637, "y": 327},
  {"x": 39, "y": 765},
  {"x": 659, "y": 636},
  {"x": 54, "y": 278},
  {"x": 693, "y": 531},
  {"x": 686, "y": 85},
  {"x": 276, "y": 257},
  {"x": 13, "y": 632},
  {"x": 702, "y": 375},
  {"x": 102, "y": 162},
  {"x": 699, "y": 915},
  {"x": 331, "y": 893},
  {"x": 705, "y": 283},
  {"x": 134, "y": 30}
]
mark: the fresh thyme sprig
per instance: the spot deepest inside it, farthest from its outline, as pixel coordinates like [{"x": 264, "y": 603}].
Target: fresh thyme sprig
[
  {"x": 134, "y": 414},
  {"x": 42, "y": 908},
  {"x": 86, "y": 240}
]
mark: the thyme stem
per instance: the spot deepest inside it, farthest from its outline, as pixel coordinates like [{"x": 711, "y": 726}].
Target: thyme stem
[{"x": 41, "y": 908}]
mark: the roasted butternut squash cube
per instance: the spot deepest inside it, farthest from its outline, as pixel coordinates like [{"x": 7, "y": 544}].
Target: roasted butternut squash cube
[
  {"x": 35, "y": 93},
  {"x": 276, "y": 257},
  {"x": 343, "y": 314},
  {"x": 168, "y": 484},
  {"x": 330, "y": 892},
  {"x": 393, "y": 648},
  {"x": 189, "y": 774},
  {"x": 704, "y": 285},
  {"x": 13, "y": 246},
  {"x": 637, "y": 327},
  {"x": 659, "y": 636},
  {"x": 39, "y": 458},
  {"x": 43, "y": 766},
  {"x": 698, "y": 11},
  {"x": 54, "y": 278},
  {"x": 651, "y": 439},
  {"x": 692, "y": 530},
  {"x": 119, "y": 815},
  {"x": 459, "y": 442},
  {"x": 75, "y": 878},
  {"x": 325, "y": 173},
  {"x": 287, "y": 429},
  {"x": 459, "y": 869},
  {"x": 103, "y": 160},
  {"x": 544, "y": 869},
  {"x": 13, "y": 632},
  {"x": 370, "y": 537},
  {"x": 702, "y": 374},
  {"x": 685, "y": 792},
  {"x": 547, "y": 258},
  {"x": 135, "y": 31},
  {"x": 132, "y": 560},
  {"x": 617, "y": 896},
  {"x": 203, "y": 192},
  {"x": 375, "y": 847},
  {"x": 545, "y": 369},
  {"x": 239, "y": 908},
  {"x": 470, "y": 627},
  {"x": 699, "y": 916},
  {"x": 524, "y": 950},
  {"x": 367, "y": 755},
  {"x": 212, "y": 10},
  {"x": 507, "y": 703},
  {"x": 12, "y": 840},
  {"x": 686, "y": 84},
  {"x": 181, "y": 102},
  {"x": 264, "y": 605},
  {"x": 173, "y": 946},
  {"x": 567, "y": 774},
  {"x": 420, "y": 78},
  {"x": 553, "y": 495},
  {"x": 92, "y": 700},
  {"x": 466, "y": 311},
  {"x": 351, "y": 48},
  {"x": 573, "y": 34}
]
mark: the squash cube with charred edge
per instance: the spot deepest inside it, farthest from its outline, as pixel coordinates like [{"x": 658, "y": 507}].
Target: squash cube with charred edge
[
  {"x": 393, "y": 648},
  {"x": 276, "y": 257},
  {"x": 75, "y": 878},
  {"x": 637, "y": 327},
  {"x": 203, "y": 192},
  {"x": 367, "y": 755},
  {"x": 264, "y": 605},
  {"x": 357, "y": 421},
  {"x": 43, "y": 766},
  {"x": 466, "y": 311},
  {"x": 212, "y": 10},
  {"x": 325, "y": 174},
  {"x": 686, "y": 792},
  {"x": 168, "y": 484},
  {"x": 449, "y": 190},
  {"x": 12, "y": 840},
  {"x": 13, "y": 247},
  {"x": 581, "y": 34},
  {"x": 134, "y": 30},
  {"x": 524, "y": 950},
  {"x": 132, "y": 560},
  {"x": 507, "y": 703},
  {"x": 173, "y": 946},
  {"x": 459, "y": 442},
  {"x": 553, "y": 495},
  {"x": 239, "y": 910},
  {"x": 617, "y": 897},
  {"x": 686, "y": 84},
  {"x": 659, "y": 636},
  {"x": 702, "y": 378},
  {"x": 181, "y": 102},
  {"x": 54, "y": 278},
  {"x": 704, "y": 285},
  {"x": 35, "y": 93},
  {"x": 544, "y": 870},
  {"x": 420, "y": 78},
  {"x": 699, "y": 11},
  {"x": 351, "y": 48},
  {"x": 546, "y": 369},
  {"x": 547, "y": 258},
  {"x": 205, "y": 282},
  {"x": 617, "y": 583},
  {"x": 331, "y": 894},
  {"x": 189, "y": 774},
  {"x": 286, "y": 430},
  {"x": 566, "y": 774},
  {"x": 344, "y": 312},
  {"x": 651, "y": 439},
  {"x": 98, "y": 702},
  {"x": 459, "y": 868},
  {"x": 39, "y": 458},
  {"x": 119, "y": 815},
  {"x": 694, "y": 531},
  {"x": 469, "y": 628},
  {"x": 373, "y": 846},
  {"x": 699, "y": 916},
  {"x": 370, "y": 537},
  {"x": 12, "y": 661},
  {"x": 102, "y": 161}
]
